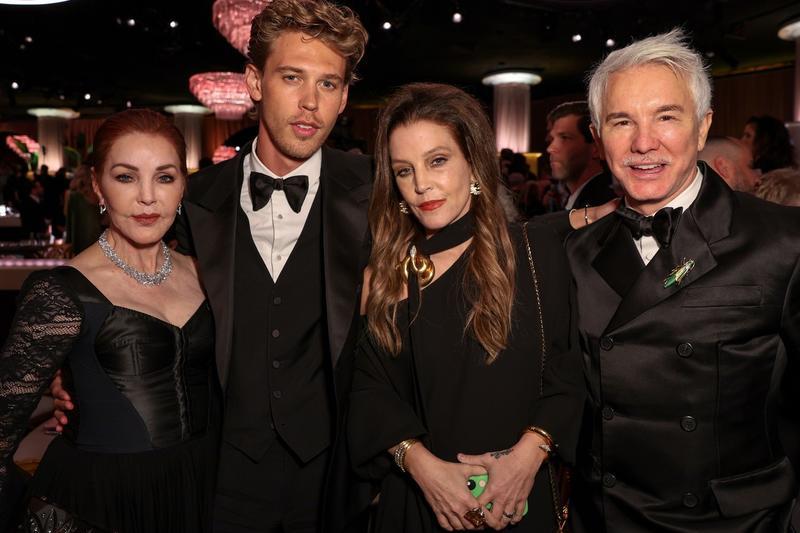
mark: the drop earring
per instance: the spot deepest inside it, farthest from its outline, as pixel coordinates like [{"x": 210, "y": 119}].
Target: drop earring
[
  {"x": 180, "y": 207},
  {"x": 475, "y": 188},
  {"x": 403, "y": 207},
  {"x": 103, "y": 208}
]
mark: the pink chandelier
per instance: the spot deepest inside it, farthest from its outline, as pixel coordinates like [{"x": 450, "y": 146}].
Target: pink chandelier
[
  {"x": 233, "y": 18},
  {"x": 223, "y": 153},
  {"x": 223, "y": 92}
]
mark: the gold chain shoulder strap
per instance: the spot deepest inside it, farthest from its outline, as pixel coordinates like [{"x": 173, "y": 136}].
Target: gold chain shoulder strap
[{"x": 561, "y": 507}]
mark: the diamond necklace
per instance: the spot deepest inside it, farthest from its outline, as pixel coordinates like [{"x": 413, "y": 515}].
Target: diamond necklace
[{"x": 143, "y": 278}]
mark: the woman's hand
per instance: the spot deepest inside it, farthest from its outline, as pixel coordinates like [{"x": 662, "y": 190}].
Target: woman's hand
[
  {"x": 580, "y": 217},
  {"x": 444, "y": 485},
  {"x": 511, "y": 474}
]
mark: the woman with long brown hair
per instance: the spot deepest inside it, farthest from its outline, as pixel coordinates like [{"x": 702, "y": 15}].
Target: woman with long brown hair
[{"x": 450, "y": 410}]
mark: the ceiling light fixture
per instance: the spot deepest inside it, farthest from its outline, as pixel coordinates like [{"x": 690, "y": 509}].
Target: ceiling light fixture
[
  {"x": 173, "y": 24},
  {"x": 87, "y": 96},
  {"x": 131, "y": 22},
  {"x": 611, "y": 43},
  {"x": 190, "y": 109},
  {"x": 576, "y": 38},
  {"x": 53, "y": 112},
  {"x": 457, "y": 18},
  {"x": 31, "y": 2},
  {"x": 233, "y": 18},
  {"x": 225, "y": 93},
  {"x": 512, "y": 76},
  {"x": 14, "y": 85},
  {"x": 387, "y": 25},
  {"x": 28, "y": 39},
  {"x": 790, "y": 30}
]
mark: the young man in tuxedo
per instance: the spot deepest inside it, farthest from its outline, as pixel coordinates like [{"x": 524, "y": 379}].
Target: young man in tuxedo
[
  {"x": 689, "y": 302},
  {"x": 280, "y": 235}
]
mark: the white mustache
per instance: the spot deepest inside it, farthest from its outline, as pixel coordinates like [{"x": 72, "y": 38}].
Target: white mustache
[{"x": 631, "y": 162}]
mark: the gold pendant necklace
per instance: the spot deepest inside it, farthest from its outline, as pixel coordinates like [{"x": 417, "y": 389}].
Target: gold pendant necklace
[{"x": 421, "y": 265}]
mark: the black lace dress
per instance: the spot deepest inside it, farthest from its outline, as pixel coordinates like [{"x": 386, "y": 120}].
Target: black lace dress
[{"x": 140, "y": 452}]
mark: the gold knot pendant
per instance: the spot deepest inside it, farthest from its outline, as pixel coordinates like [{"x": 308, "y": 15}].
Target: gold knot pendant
[{"x": 420, "y": 265}]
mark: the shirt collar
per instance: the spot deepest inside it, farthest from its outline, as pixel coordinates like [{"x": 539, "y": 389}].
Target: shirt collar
[{"x": 687, "y": 197}]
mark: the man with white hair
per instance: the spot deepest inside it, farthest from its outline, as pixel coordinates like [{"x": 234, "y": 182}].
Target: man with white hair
[
  {"x": 689, "y": 301},
  {"x": 733, "y": 161}
]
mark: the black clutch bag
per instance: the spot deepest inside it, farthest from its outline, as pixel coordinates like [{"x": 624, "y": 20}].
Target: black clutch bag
[{"x": 44, "y": 517}]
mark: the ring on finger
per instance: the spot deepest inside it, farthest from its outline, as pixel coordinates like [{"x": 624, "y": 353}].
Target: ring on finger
[
  {"x": 508, "y": 516},
  {"x": 475, "y": 517}
]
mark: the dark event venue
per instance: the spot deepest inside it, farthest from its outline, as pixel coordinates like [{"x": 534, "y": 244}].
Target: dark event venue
[{"x": 68, "y": 65}]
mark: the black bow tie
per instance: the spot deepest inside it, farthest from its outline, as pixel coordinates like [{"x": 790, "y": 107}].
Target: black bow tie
[
  {"x": 660, "y": 226},
  {"x": 261, "y": 187}
]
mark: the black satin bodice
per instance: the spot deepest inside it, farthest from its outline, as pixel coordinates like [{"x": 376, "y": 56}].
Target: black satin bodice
[{"x": 139, "y": 383}]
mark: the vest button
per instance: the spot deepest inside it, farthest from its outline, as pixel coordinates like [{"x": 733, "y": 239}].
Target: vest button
[
  {"x": 688, "y": 423},
  {"x": 276, "y": 333},
  {"x": 685, "y": 349},
  {"x": 277, "y": 300},
  {"x": 690, "y": 500},
  {"x": 276, "y": 364},
  {"x": 277, "y": 394},
  {"x": 609, "y": 480},
  {"x": 608, "y": 413},
  {"x": 607, "y": 343}
]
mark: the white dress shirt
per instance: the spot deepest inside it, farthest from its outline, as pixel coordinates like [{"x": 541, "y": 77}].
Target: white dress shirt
[
  {"x": 275, "y": 227},
  {"x": 647, "y": 245}
]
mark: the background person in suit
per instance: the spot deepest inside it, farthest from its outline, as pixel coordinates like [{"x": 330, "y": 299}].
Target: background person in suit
[
  {"x": 733, "y": 161},
  {"x": 280, "y": 236},
  {"x": 575, "y": 158},
  {"x": 689, "y": 320}
]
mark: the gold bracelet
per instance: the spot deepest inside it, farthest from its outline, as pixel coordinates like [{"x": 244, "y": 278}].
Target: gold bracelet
[
  {"x": 549, "y": 446},
  {"x": 400, "y": 453}
]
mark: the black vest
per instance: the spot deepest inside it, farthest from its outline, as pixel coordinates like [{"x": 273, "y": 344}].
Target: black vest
[{"x": 280, "y": 382}]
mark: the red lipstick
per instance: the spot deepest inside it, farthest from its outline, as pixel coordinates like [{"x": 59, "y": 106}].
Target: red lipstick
[
  {"x": 431, "y": 205},
  {"x": 146, "y": 220}
]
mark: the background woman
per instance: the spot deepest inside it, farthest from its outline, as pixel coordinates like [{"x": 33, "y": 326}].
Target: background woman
[
  {"x": 82, "y": 211},
  {"x": 770, "y": 143},
  {"x": 452, "y": 360},
  {"x": 128, "y": 318}
]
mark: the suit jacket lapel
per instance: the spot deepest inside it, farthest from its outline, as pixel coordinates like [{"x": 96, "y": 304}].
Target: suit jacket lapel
[
  {"x": 344, "y": 232},
  {"x": 706, "y": 221},
  {"x": 618, "y": 262},
  {"x": 212, "y": 218}
]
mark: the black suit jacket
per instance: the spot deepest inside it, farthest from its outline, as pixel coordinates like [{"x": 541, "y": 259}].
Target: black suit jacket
[
  {"x": 207, "y": 230},
  {"x": 597, "y": 191},
  {"x": 685, "y": 381}
]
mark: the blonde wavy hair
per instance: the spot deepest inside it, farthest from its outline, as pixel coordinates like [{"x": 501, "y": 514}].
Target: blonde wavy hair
[
  {"x": 336, "y": 26},
  {"x": 489, "y": 277}
]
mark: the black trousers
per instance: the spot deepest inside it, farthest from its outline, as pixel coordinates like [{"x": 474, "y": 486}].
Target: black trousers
[{"x": 278, "y": 494}]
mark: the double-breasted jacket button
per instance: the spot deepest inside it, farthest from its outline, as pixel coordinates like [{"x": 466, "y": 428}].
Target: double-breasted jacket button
[
  {"x": 276, "y": 333},
  {"x": 606, "y": 342},
  {"x": 688, "y": 423},
  {"x": 608, "y": 412},
  {"x": 609, "y": 480},
  {"x": 685, "y": 349},
  {"x": 276, "y": 364},
  {"x": 276, "y": 300},
  {"x": 690, "y": 500},
  {"x": 277, "y": 394}
]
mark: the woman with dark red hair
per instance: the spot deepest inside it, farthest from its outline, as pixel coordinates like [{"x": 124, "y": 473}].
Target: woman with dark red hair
[{"x": 128, "y": 320}]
